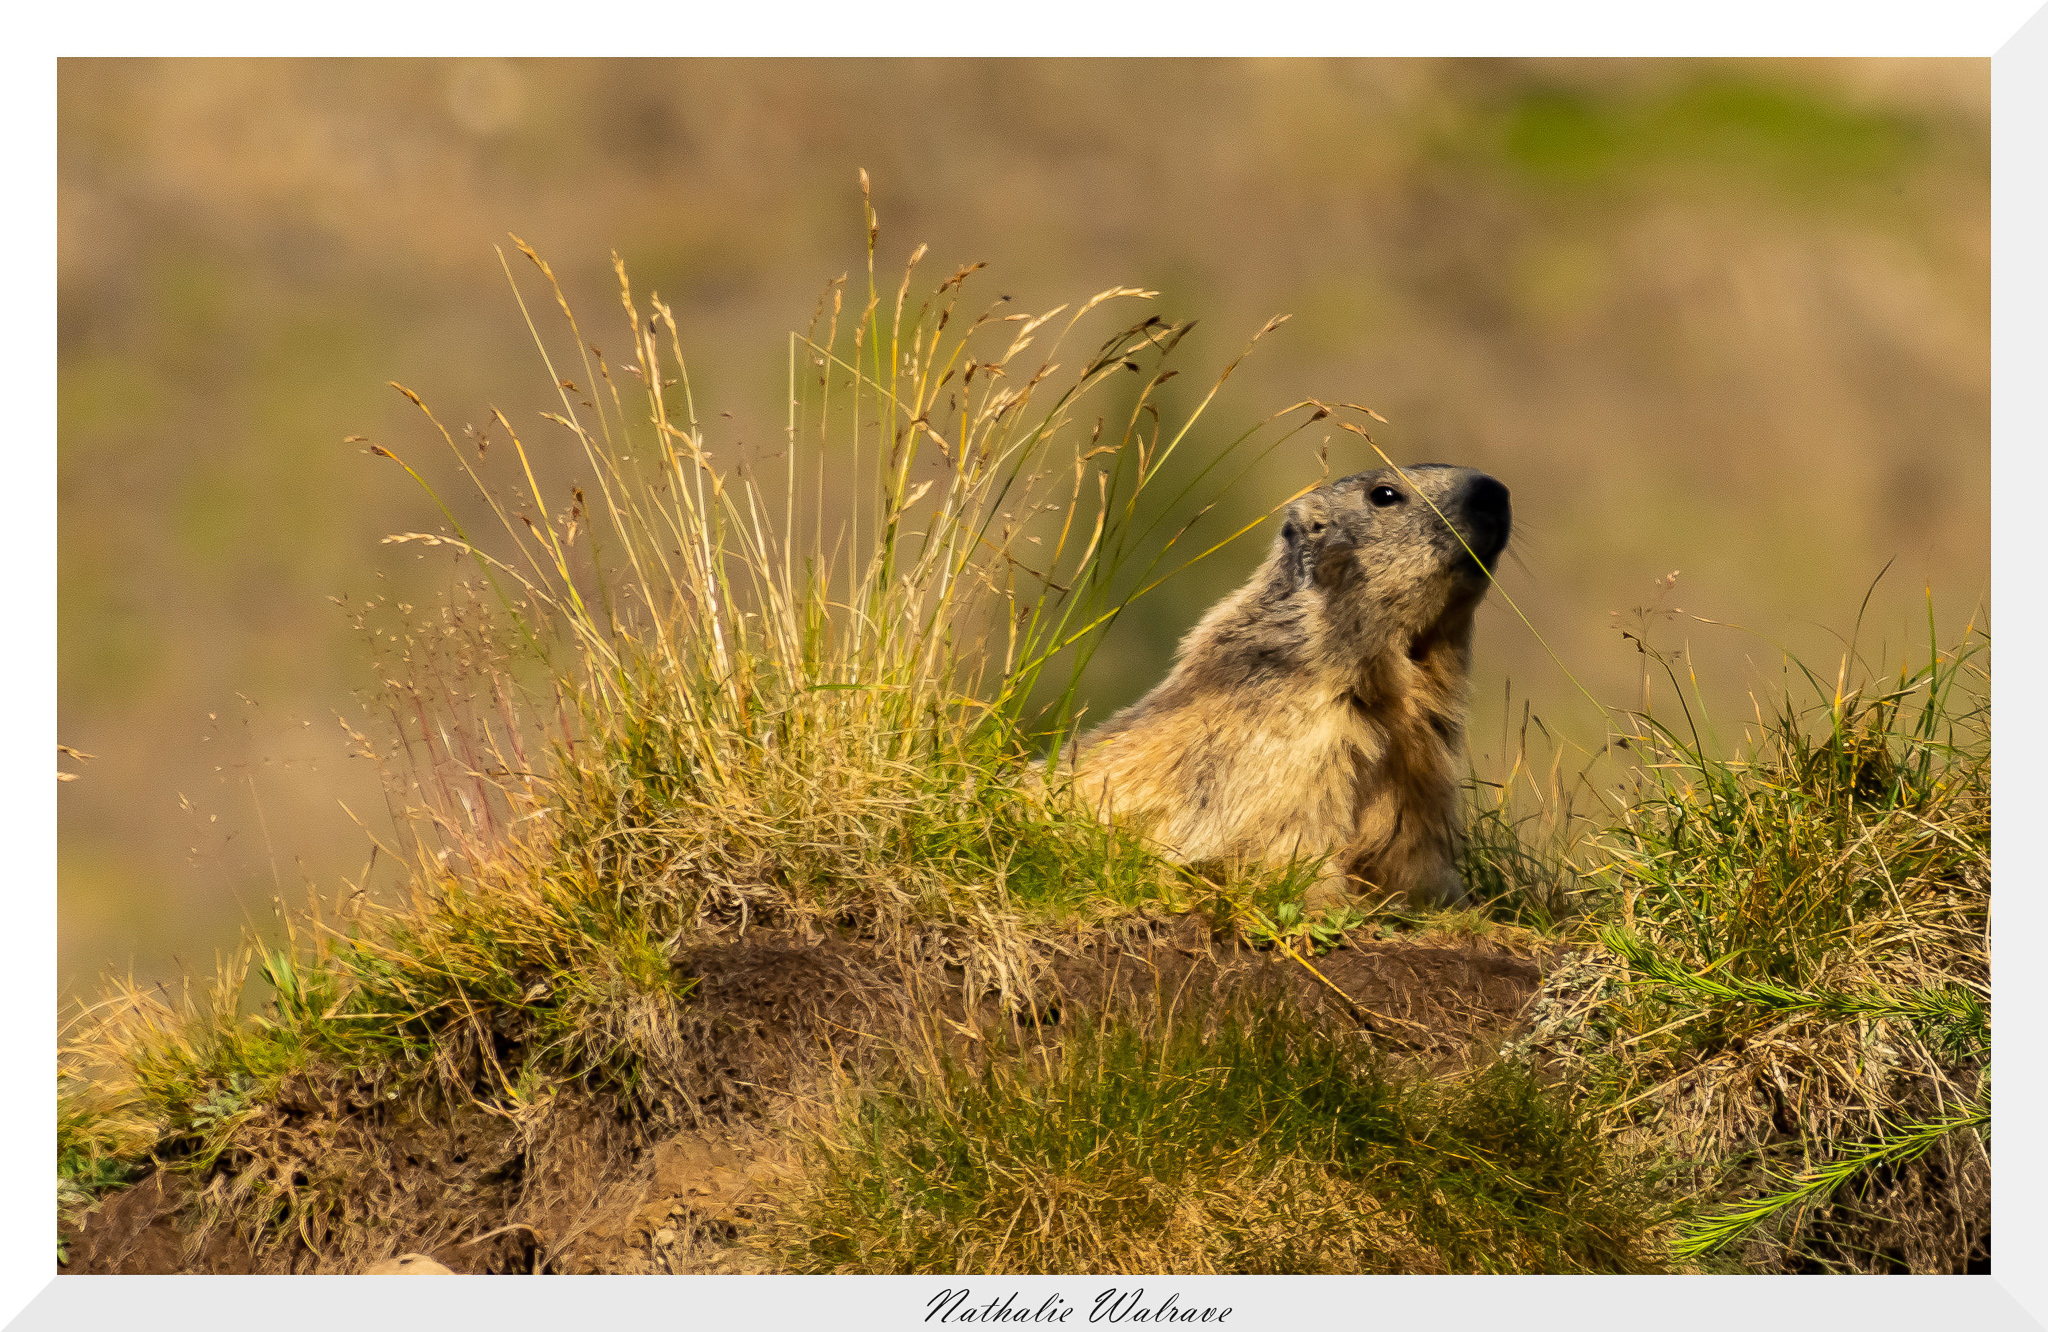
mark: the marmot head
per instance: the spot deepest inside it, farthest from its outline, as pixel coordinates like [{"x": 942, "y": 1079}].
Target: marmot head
[{"x": 1376, "y": 550}]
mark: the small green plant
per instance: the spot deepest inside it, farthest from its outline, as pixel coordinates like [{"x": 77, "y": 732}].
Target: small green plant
[
  {"x": 222, "y": 1105},
  {"x": 1313, "y": 932},
  {"x": 1951, "y": 1017},
  {"x": 1899, "y": 1147}
]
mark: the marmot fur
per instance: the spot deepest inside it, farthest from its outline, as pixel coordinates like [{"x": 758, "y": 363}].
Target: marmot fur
[{"x": 1319, "y": 710}]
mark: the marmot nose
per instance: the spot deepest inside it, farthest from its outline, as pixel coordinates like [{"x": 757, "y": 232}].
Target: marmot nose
[{"x": 1487, "y": 512}]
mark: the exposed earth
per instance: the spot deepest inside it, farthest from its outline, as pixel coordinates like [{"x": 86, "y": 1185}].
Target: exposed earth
[{"x": 579, "y": 1186}]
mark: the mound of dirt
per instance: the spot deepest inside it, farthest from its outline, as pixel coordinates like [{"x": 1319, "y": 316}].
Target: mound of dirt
[{"x": 580, "y": 1184}]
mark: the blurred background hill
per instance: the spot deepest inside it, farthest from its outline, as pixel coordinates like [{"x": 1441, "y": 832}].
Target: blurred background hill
[{"x": 1726, "y": 318}]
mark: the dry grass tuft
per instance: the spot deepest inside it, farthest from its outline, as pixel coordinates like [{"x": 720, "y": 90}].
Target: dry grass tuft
[
  {"x": 1787, "y": 992},
  {"x": 680, "y": 700}
]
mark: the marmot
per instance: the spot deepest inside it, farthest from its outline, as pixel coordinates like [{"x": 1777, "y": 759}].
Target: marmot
[{"x": 1319, "y": 710}]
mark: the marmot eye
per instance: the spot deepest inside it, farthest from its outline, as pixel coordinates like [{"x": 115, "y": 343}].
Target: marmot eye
[{"x": 1385, "y": 495}]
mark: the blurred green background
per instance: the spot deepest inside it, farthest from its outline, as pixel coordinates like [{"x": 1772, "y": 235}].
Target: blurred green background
[{"x": 1728, "y": 318}]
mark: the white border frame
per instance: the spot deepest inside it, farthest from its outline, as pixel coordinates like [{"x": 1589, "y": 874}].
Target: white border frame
[{"x": 2012, "y": 1298}]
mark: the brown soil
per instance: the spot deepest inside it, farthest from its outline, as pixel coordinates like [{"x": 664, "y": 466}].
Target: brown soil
[{"x": 577, "y": 1185}]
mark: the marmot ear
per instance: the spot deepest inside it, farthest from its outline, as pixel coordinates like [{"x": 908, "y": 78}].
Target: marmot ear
[
  {"x": 1297, "y": 554},
  {"x": 1315, "y": 553}
]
